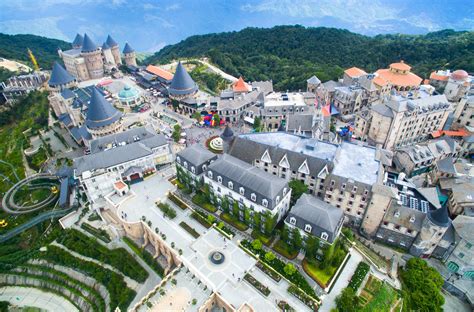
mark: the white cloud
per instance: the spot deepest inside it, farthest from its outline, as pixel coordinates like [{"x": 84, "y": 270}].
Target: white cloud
[
  {"x": 46, "y": 26},
  {"x": 173, "y": 7},
  {"x": 154, "y": 18}
]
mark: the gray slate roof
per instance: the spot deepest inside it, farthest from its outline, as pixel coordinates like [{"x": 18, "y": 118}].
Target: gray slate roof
[
  {"x": 464, "y": 226},
  {"x": 182, "y": 83},
  {"x": 78, "y": 40},
  {"x": 59, "y": 76},
  {"x": 127, "y": 49},
  {"x": 67, "y": 94},
  {"x": 440, "y": 216},
  {"x": 111, "y": 42},
  {"x": 404, "y": 218},
  {"x": 252, "y": 179},
  {"x": 100, "y": 112},
  {"x": 446, "y": 165},
  {"x": 145, "y": 135},
  {"x": 88, "y": 45},
  {"x": 322, "y": 216},
  {"x": 196, "y": 155},
  {"x": 227, "y": 133},
  {"x": 295, "y": 121},
  {"x": 313, "y": 80},
  {"x": 383, "y": 110}
]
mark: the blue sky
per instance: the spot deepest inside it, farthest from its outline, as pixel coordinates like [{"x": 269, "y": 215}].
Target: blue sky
[{"x": 148, "y": 25}]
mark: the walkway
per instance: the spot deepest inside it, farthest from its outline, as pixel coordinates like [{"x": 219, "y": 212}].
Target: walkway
[{"x": 33, "y": 297}]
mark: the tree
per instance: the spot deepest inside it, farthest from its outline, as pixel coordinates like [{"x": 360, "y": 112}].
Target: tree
[
  {"x": 421, "y": 286},
  {"x": 285, "y": 234},
  {"x": 197, "y": 116},
  {"x": 211, "y": 218},
  {"x": 296, "y": 240},
  {"x": 327, "y": 256},
  {"x": 298, "y": 188},
  {"x": 270, "y": 256},
  {"x": 347, "y": 301},
  {"x": 289, "y": 269},
  {"x": 257, "y": 244},
  {"x": 257, "y": 124},
  {"x": 176, "y": 135},
  {"x": 311, "y": 246},
  {"x": 175, "y": 104}
]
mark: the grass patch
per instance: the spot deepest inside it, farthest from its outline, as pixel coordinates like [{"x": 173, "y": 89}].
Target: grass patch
[
  {"x": 378, "y": 296},
  {"x": 189, "y": 229},
  {"x": 322, "y": 277},
  {"x": 233, "y": 221},
  {"x": 200, "y": 199},
  {"x": 283, "y": 249}
]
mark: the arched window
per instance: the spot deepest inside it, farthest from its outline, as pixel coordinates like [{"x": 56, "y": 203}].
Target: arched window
[
  {"x": 308, "y": 228},
  {"x": 265, "y": 203},
  {"x": 193, "y": 170},
  {"x": 231, "y": 185},
  {"x": 178, "y": 159},
  {"x": 293, "y": 221},
  {"x": 324, "y": 235},
  {"x": 253, "y": 197},
  {"x": 209, "y": 174},
  {"x": 241, "y": 191},
  {"x": 219, "y": 179},
  {"x": 278, "y": 199},
  {"x": 185, "y": 164}
]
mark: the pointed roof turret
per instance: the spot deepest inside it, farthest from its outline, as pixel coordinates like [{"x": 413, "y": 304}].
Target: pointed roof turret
[
  {"x": 59, "y": 76},
  {"x": 88, "y": 45},
  {"x": 182, "y": 83},
  {"x": 111, "y": 42},
  {"x": 241, "y": 86},
  {"x": 127, "y": 49},
  {"x": 78, "y": 41},
  {"x": 100, "y": 112},
  {"x": 227, "y": 134},
  {"x": 105, "y": 46},
  {"x": 439, "y": 216}
]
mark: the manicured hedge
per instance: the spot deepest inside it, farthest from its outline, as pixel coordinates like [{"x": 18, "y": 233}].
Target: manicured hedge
[
  {"x": 359, "y": 275},
  {"x": 118, "y": 258},
  {"x": 145, "y": 255},
  {"x": 100, "y": 234},
  {"x": 177, "y": 201},
  {"x": 189, "y": 229},
  {"x": 201, "y": 217}
]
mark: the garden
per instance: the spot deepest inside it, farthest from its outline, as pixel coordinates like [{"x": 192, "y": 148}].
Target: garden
[
  {"x": 167, "y": 210},
  {"x": 145, "y": 255},
  {"x": 100, "y": 234},
  {"x": 359, "y": 275},
  {"x": 234, "y": 221},
  {"x": 177, "y": 201},
  {"x": 202, "y": 201},
  {"x": 259, "y": 286},
  {"x": 377, "y": 296}
]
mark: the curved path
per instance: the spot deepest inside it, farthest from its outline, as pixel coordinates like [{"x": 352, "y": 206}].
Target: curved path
[
  {"x": 34, "y": 297},
  {"x": 8, "y": 202}
]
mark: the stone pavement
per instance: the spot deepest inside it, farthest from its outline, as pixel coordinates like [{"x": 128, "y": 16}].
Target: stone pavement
[{"x": 32, "y": 297}]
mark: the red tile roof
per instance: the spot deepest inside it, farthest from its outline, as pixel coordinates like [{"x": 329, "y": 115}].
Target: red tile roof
[
  {"x": 354, "y": 72},
  {"x": 155, "y": 70},
  {"x": 459, "y": 133},
  {"x": 396, "y": 79},
  {"x": 241, "y": 86}
]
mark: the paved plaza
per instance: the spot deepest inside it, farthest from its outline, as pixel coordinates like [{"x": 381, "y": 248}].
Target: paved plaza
[{"x": 33, "y": 297}]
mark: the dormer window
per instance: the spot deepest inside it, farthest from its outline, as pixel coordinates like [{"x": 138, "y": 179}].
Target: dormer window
[
  {"x": 209, "y": 174},
  {"x": 278, "y": 199},
  {"x": 253, "y": 197},
  {"x": 308, "y": 228},
  {"x": 397, "y": 214},
  {"x": 412, "y": 219},
  {"x": 354, "y": 189},
  {"x": 284, "y": 191},
  {"x": 230, "y": 185},
  {"x": 265, "y": 203},
  {"x": 219, "y": 179},
  {"x": 185, "y": 164},
  {"x": 178, "y": 159},
  {"x": 343, "y": 186},
  {"x": 204, "y": 167},
  {"x": 333, "y": 182},
  {"x": 324, "y": 235},
  {"x": 366, "y": 192},
  {"x": 193, "y": 170},
  {"x": 241, "y": 191},
  {"x": 293, "y": 220}
]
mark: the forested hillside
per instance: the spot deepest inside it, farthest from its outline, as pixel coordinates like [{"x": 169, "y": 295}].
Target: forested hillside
[
  {"x": 291, "y": 54},
  {"x": 15, "y": 47}
]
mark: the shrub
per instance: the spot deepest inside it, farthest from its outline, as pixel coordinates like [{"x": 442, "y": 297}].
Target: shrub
[{"x": 359, "y": 275}]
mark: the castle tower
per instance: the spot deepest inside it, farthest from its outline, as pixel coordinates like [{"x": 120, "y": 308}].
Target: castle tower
[
  {"x": 312, "y": 84},
  {"x": 129, "y": 55},
  {"x": 433, "y": 228},
  {"x": 182, "y": 86},
  {"x": 227, "y": 137},
  {"x": 115, "y": 49},
  {"x": 77, "y": 43},
  {"x": 92, "y": 58},
  {"x": 107, "y": 54},
  {"x": 102, "y": 118},
  {"x": 60, "y": 79}
]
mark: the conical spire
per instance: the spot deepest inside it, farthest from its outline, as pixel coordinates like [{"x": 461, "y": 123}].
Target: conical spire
[
  {"x": 88, "y": 45},
  {"x": 227, "y": 133},
  {"x": 105, "y": 46},
  {"x": 100, "y": 112},
  {"x": 111, "y": 42},
  {"x": 127, "y": 49},
  {"x": 241, "y": 86},
  {"x": 59, "y": 76},
  {"x": 439, "y": 216},
  {"x": 78, "y": 41},
  {"x": 182, "y": 83}
]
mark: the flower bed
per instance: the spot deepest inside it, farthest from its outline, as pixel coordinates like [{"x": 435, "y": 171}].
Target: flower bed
[
  {"x": 359, "y": 275},
  {"x": 303, "y": 297},
  {"x": 177, "y": 201},
  {"x": 275, "y": 276},
  {"x": 201, "y": 217},
  {"x": 259, "y": 286},
  {"x": 285, "y": 307},
  {"x": 233, "y": 221},
  {"x": 278, "y": 265},
  {"x": 189, "y": 229}
]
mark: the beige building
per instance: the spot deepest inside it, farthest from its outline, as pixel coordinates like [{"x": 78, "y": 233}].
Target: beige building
[{"x": 403, "y": 119}]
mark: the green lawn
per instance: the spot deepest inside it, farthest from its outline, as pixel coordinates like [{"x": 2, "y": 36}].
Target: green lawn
[
  {"x": 283, "y": 249},
  {"x": 319, "y": 275},
  {"x": 378, "y": 296}
]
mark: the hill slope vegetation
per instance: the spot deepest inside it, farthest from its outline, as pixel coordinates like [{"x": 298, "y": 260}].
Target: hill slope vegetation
[{"x": 291, "y": 54}]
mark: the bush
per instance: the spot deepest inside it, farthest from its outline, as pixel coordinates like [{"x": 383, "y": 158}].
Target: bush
[
  {"x": 233, "y": 221},
  {"x": 201, "y": 217},
  {"x": 189, "y": 229},
  {"x": 359, "y": 275},
  {"x": 167, "y": 210},
  {"x": 259, "y": 286},
  {"x": 100, "y": 234},
  {"x": 177, "y": 201}
]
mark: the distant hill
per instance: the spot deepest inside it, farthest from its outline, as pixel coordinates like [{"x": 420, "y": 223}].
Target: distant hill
[
  {"x": 15, "y": 47},
  {"x": 291, "y": 54}
]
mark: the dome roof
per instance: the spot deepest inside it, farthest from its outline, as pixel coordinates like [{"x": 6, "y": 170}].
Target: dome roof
[
  {"x": 182, "y": 83},
  {"x": 100, "y": 112},
  {"x": 439, "y": 216},
  {"x": 78, "y": 41},
  {"x": 88, "y": 45},
  {"x": 111, "y": 42},
  {"x": 59, "y": 76},
  {"x": 400, "y": 66},
  {"x": 459, "y": 74},
  {"x": 127, "y": 49},
  {"x": 128, "y": 92}
]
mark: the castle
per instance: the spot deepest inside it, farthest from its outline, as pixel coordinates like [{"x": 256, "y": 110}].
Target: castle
[{"x": 86, "y": 60}]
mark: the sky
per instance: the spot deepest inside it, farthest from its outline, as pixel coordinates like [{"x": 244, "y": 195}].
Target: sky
[{"x": 149, "y": 25}]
